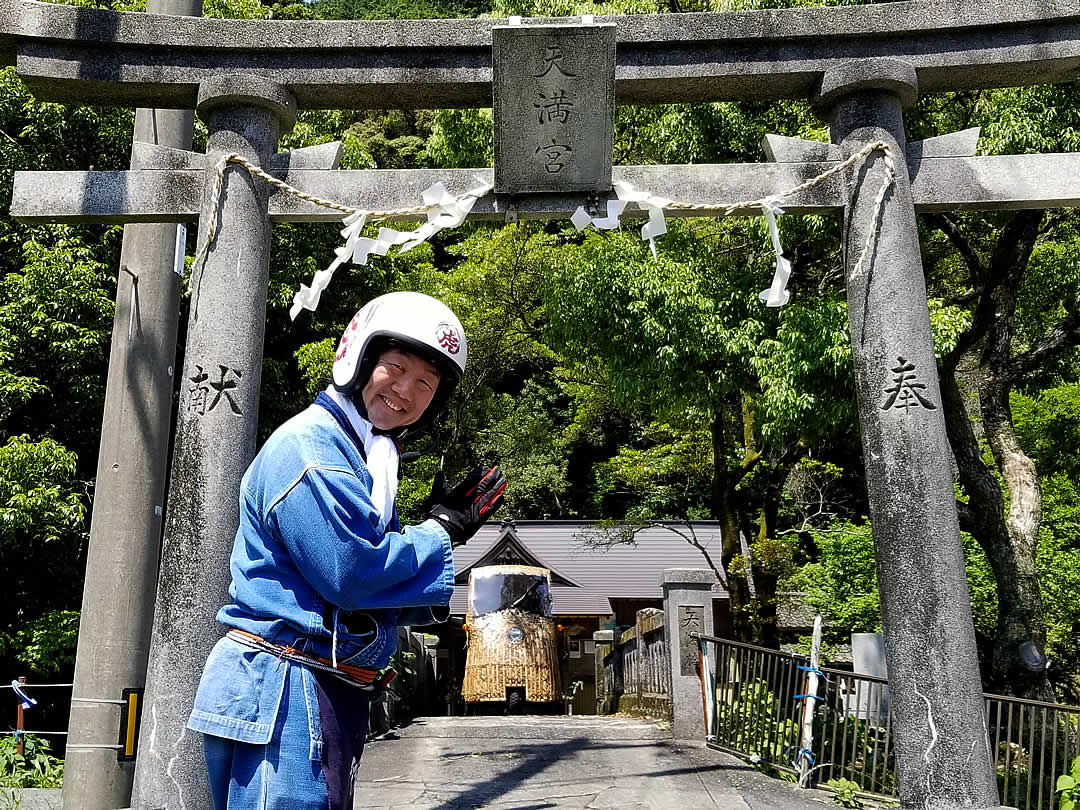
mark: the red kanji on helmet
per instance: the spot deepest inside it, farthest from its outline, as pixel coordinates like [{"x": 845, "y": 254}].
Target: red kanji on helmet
[{"x": 448, "y": 338}]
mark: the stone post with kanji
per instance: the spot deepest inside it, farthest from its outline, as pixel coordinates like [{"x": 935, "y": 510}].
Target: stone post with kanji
[
  {"x": 943, "y": 756},
  {"x": 215, "y": 433},
  {"x": 688, "y": 609}
]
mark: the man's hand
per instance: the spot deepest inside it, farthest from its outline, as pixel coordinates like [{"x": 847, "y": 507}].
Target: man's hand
[
  {"x": 466, "y": 507},
  {"x": 437, "y": 494}
]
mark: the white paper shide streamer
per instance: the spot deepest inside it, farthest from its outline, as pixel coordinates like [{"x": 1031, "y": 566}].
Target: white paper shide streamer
[
  {"x": 777, "y": 295},
  {"x": 625, "y": 193},
  {"x": 444, "y": 210}
]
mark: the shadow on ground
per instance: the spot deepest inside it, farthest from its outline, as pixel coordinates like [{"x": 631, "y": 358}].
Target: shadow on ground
[{"x": 529, "y": 763}]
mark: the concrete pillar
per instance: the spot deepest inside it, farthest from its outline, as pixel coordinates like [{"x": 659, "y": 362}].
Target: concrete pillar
[
  {"x": 604, "y": 639},
  {"x": 687, "y": 609},
  {"x": 430, "y": 648},
  {"x": 129, "y": 493},
  {"x": 942, "y": 753},
  {"x": 215, "y": 436},
  {"x": 639, "y": 676}
]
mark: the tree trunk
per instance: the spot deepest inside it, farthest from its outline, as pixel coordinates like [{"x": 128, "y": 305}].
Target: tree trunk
[
  {"x": 1018, "y": 663},
  {"x": 726, "y": 512},
  {"x": 1009, "y": 542},
  {"x": 772, "y": 561}
]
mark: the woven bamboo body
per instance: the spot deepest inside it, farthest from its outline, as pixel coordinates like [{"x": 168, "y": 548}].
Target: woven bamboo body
[{"x": 495, "y": 662}]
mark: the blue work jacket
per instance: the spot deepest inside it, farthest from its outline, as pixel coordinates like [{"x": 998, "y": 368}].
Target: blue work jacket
[{"x": 308, "y": 552}]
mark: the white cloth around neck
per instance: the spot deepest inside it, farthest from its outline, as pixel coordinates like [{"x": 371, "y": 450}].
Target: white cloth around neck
[{"x": 382, "y": 458}]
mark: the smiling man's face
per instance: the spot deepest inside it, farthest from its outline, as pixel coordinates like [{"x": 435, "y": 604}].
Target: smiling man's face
[{"x": 401, "y": 387}]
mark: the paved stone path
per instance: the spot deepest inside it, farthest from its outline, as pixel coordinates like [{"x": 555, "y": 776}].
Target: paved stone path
[{"x": 536, "y": 763}]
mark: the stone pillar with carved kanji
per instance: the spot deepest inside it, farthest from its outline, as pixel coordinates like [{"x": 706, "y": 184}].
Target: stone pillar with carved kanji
[
  {"x": 215, "y": 433},
  {"x": 943, "y": 756},
  {"x": 687, "y": 609}
]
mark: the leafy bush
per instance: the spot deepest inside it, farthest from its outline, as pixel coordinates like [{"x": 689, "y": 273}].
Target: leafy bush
[
  {"x": 845, "y": 791},
  {"x": 756, "y": 723},
  {"x": 35, "y": 767},
  {"x": 1068, "y": 785}
]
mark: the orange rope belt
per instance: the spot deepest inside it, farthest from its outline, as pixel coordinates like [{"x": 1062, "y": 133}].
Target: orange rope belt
[{"x": 356, "y": 675}]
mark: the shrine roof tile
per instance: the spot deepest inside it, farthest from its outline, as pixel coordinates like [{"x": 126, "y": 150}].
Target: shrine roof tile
[{"x": 617, "y": 572}]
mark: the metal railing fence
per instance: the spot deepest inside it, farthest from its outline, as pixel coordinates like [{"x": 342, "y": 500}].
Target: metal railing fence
[
  {"x": 1033, "y": 744},
  {"x": 750, "y": 708},
  {"x": 754, "y": 699}
]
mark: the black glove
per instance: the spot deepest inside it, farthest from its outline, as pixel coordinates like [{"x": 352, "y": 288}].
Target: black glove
[
  {"x": 466, "y": 507},
  {"x": 438, "y": 492}
]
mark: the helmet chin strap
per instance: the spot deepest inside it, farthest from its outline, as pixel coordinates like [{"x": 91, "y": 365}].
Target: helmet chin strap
[{"x": 399, "y": 433}]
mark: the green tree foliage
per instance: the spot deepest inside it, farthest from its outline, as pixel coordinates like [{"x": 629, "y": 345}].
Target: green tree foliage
[
  {"x": 684, "y": 341},
  {"x": 840, "y": 582},
  {"x": 47, "y": 644},
  {"x": 511, "y": 409},
  {"x": 1059, "y": 580},
  {"x": 1014, "y": 278},
  {"x": 664, "y": 473},
  {"x": 42, "y": 542},
  {"x": 54, "y": 313},
  {"x": 399, "y": 9},
  {"x": 56, "y": 290},
  {"x": 1048, "y": 426}
]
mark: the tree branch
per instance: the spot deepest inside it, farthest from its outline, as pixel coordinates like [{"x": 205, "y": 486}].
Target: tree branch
[
  {"x": 1007, "y": 267},
  {"x": 947, "y": 225},
  {"x": 979, "y": 283},
  {"x": 1064, "y": 335},
  {"x": 606, "y": 535},
  {"x": 1007, "y": 264}
]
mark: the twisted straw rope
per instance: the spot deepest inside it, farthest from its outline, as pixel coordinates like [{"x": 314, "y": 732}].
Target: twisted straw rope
[
  {"x": 215, "y": 204},
  {"x": 376, "y": 216},
  {"x": 879, "y": 202}
]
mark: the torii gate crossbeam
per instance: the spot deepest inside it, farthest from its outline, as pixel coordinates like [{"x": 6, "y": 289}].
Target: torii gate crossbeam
[
  {"x": 1005, "y": 182},
  {"x": 69, "y": 54}
]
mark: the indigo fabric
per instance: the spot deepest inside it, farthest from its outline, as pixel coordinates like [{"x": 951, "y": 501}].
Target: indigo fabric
[
  {"x": 344, "y": 723},
  {"x": 308, "y": 539},
  {"x": 311, "y": 758},
  {"x": 311, "y": 570}
]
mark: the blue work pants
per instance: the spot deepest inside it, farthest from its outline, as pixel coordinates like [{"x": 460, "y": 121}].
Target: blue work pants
[{"x": 311, "y": 759}]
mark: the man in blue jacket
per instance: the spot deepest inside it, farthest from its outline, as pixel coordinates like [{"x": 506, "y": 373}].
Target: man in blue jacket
[{"x": 323, "y": 574}]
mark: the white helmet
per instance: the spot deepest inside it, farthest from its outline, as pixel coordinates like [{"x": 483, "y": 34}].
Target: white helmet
[{"x": 417, "y": 323}]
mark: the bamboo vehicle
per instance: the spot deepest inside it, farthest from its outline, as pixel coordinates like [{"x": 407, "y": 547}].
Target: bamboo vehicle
[{"x": 513, "y": 650}]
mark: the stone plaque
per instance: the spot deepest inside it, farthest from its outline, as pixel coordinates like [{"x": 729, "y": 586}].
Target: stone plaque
[
  {"x": 691, "y": 620},
  {"x": 554, "y": 103}
]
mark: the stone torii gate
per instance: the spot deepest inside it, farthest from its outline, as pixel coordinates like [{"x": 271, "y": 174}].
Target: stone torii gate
[{"x": 860, "y": 65}]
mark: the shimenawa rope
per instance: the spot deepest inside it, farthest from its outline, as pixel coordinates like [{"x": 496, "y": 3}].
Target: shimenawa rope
[{"x": 375, "y": 216}]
